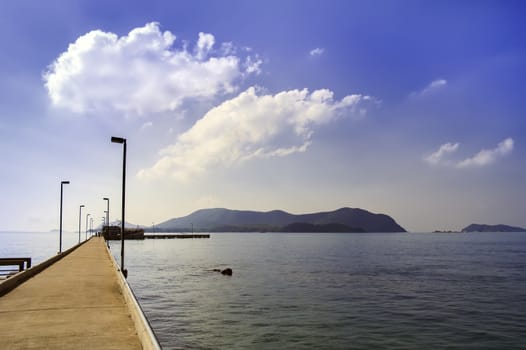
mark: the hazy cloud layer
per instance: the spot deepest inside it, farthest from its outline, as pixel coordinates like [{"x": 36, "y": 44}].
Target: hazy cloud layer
[
  {"x": 482, "y": 158},
  {"x": 252, "y": 125},
  {"x": 141, "y": 72}
]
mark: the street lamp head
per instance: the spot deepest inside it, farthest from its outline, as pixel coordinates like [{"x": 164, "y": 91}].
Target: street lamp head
[
  {"x": 82, "y": 206},
  {"x": 105, "y": 199},
  {"x": 118, "y": 139},
  {"x": 64, "y": 182}
]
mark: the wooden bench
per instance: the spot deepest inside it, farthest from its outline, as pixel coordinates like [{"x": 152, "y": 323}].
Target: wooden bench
[{"x": 22, "y": 263}]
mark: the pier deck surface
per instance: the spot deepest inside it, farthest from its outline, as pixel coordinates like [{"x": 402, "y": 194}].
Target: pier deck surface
[{"x": 75, "y": 303}]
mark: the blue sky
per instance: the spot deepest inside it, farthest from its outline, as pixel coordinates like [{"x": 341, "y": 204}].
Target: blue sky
[{"x": 410, "y": 108}]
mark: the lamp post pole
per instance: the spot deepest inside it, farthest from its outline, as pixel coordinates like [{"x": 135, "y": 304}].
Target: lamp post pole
[
  {"x": 107, "y": 210},
  {"x": 90, "y": 226},
  {"x": 80, "y": 216},
  {"x": 87, "y": 215},
  {"x": 62, "y": 183},
  {"x": 123, "y": 142}
]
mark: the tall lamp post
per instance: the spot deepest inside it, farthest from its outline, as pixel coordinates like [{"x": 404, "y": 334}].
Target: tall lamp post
[
  {"x": 62, "y": 183},
  {"x": 87, "y": 216},
  {"x": 107, "y": 211},
  {"x": 123, "y": 142},
  {"x": 80, "y": 216}
]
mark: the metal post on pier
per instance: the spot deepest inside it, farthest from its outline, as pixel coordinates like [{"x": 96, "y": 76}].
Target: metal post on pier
[
  {"x": 107, "y": 210},
  {"x": 80, "y": 216},
  {"x": 87, "y": 215},
  {"x": 62, "y": 183},
  {"x": 123, "y": 142}
]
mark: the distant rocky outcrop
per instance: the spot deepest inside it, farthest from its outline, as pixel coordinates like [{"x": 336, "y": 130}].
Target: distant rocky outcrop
[
  {"x": 492, "y": 228},
  {"x": 226, "y": 272},
  {"x": 226, "y": 220}
]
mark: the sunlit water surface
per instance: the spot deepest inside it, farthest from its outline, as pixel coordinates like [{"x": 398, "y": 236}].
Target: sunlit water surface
[{"x": 333, "y": 291}]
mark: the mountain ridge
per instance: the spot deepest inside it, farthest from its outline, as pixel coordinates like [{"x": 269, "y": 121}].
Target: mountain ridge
[{"x": 215, "y": 219}]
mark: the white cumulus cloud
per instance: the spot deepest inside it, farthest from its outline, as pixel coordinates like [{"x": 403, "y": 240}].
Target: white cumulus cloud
[
  {"x": 253, "y": 65},
  {"x": 204, "y": 45},
  {"x": 252, "y": 125},
  {"x": 141, "y": 72},
  {"x": 317, "y": 51},
  {"x": 482, "y": 158},
  {"x": 488, "y": 156}
]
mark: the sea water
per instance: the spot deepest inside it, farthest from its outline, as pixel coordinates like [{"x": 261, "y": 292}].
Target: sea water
[
  {"x": 39, "y": 246},
  {"x": 333, "y": 291},
  {"x": 322, "y": 291}
]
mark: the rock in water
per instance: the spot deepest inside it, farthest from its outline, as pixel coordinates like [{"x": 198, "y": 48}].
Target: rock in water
[{"x": 227, "y": 272}]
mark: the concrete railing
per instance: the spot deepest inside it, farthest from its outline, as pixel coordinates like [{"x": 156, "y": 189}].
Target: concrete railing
[{"x": 144, "y": 330}]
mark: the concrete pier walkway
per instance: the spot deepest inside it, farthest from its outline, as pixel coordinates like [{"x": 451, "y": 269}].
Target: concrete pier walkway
[{"x": 76, "y": 303}]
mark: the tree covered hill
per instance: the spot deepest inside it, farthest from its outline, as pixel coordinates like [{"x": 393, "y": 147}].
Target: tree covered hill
[{"x": 220, "y": 219}]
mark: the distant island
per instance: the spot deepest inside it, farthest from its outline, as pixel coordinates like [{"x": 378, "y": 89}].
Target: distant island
[
  {"x": 492, "y": 228},
  {"x": 226, "y": 220}
]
